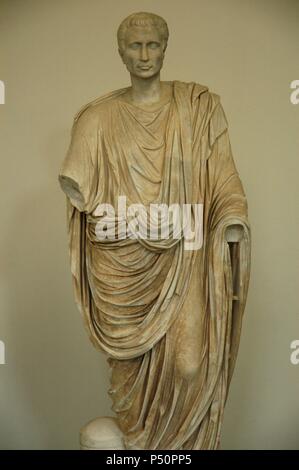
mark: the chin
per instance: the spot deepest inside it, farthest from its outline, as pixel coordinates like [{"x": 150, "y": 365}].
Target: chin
[{"x": 146, "y": 73}]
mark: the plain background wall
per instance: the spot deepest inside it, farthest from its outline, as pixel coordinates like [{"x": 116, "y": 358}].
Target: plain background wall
[{"x": 56, "y": 56}]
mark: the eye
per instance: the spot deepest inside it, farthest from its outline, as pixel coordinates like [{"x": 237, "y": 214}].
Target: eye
[
  {"x": 134, "y": 45},
  {"x": 154, "y": 45}
]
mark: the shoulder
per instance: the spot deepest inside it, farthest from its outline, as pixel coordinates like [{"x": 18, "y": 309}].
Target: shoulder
[
  {"x": 88, "y": 118},
  {"x": 206, "y": 107},
  {"x": 197, "y": 91}
]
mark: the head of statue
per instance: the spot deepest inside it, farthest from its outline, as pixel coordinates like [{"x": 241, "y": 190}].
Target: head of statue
[{"x": 142, "y": 41}]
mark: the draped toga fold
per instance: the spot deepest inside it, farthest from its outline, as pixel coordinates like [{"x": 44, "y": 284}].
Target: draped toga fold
[{"x": 168, "y": 318}]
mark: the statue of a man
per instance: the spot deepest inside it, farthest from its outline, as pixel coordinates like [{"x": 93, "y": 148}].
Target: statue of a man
[{"x": 167, "y": 317}]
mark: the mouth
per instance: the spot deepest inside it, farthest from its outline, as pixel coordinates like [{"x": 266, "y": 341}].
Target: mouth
[{"x": 145, "y": 67}]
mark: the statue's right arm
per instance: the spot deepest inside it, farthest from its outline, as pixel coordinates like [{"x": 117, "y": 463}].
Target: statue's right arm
[
  {"x": 76, "y": 173},
  {"x": 71, "y": 189}
]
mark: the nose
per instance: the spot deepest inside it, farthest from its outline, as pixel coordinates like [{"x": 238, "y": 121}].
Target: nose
[{"x": 144, "y": 53}]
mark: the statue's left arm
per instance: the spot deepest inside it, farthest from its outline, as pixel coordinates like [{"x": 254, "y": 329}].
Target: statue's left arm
[{"x": 228, "y": 240}]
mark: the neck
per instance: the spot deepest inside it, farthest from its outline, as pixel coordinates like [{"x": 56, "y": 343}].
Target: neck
[{"x": 146, "y": 90}]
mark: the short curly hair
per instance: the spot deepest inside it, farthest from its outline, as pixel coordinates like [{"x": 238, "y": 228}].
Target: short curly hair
[{"x": 142, "y": 19}]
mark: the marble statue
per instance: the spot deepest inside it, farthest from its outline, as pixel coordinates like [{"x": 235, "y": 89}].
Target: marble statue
[{"x": 168, "y": 317}]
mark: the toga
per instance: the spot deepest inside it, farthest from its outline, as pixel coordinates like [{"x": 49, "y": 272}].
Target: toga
[{"x": 168, "y": 319}]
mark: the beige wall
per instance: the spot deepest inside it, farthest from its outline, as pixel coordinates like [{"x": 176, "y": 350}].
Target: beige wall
[{"x": 56, "y": 56}]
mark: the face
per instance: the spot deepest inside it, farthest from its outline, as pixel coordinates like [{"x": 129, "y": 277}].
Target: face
[{"x": 142, "y": 51}]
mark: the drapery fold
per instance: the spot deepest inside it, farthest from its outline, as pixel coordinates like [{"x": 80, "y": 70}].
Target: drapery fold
[{"x": 137, "y": 295}]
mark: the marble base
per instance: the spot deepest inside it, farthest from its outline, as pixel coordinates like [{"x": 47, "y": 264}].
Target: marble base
[{"x": 101, "y": 434}]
